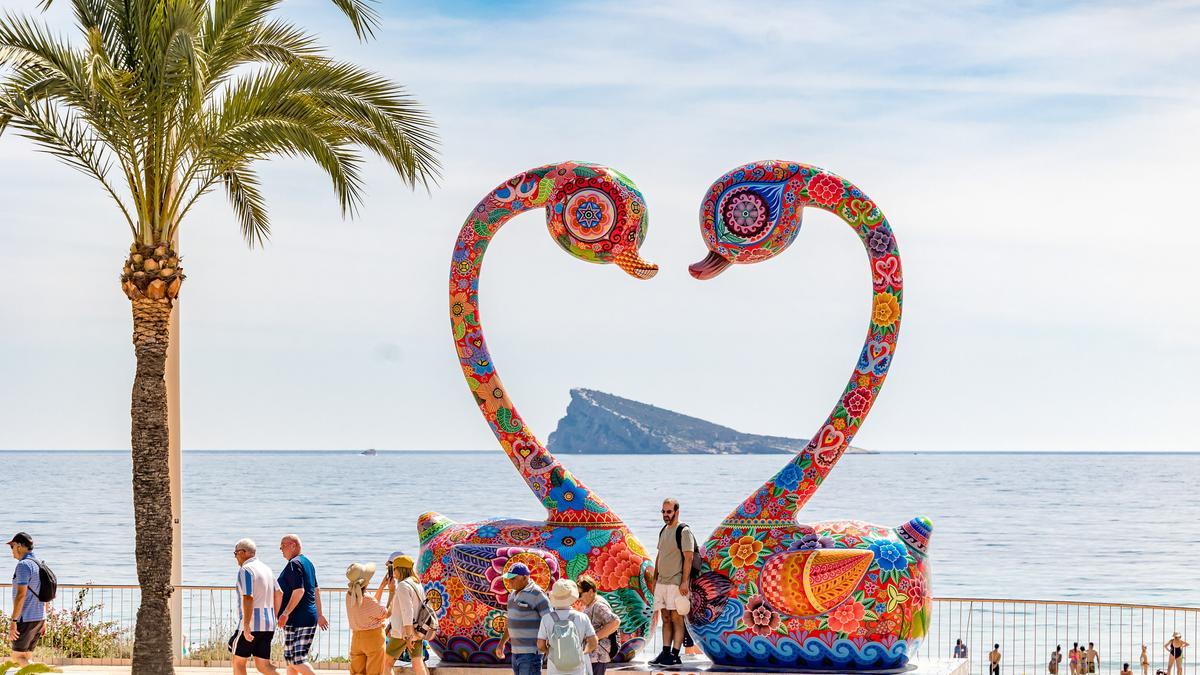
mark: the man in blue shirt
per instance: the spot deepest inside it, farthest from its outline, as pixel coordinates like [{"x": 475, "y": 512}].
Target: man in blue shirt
[
  {"x": 301, "y": 612},
  {"x": 30, "y": 620}
]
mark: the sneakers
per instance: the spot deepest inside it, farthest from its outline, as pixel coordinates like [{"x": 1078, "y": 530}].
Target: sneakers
[
  {"x": 663, "y": 658},
  {"x": 672, "y": 660}
]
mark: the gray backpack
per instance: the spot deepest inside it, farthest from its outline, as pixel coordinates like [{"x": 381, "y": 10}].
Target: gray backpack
[{"x": 566, "y": 647}]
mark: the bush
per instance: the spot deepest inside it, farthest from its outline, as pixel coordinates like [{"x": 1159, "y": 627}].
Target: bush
[{"x": 76, "y": 633}]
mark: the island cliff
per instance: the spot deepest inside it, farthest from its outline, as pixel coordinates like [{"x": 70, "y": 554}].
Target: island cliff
[{"x": 600, "y": 423}]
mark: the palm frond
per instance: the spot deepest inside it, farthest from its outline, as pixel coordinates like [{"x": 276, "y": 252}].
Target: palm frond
[
  {"x": 362, "y": 16},
  {"x": 242, "y": 187}
]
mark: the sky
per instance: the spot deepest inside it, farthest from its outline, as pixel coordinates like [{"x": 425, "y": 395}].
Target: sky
[{"x": 1038, "y": 163}]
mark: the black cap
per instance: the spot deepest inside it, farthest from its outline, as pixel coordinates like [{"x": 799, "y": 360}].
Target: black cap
[{"x": 23, "y": 539}]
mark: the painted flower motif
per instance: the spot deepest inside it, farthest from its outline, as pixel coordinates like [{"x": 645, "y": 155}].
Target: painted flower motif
[
  {"x": 569, "y": 496},
  {"x": 520, "y": 534},
  {"x": 789, "y": 477},
  {"x": 569, "y": 541},
  {"x": 435, "y": 570},
  {"x": 847, "y": 617},
  {"x": 857, "y": 401},
  {"x": 889, "y": 555},
  {"x": 745, "y": 551},
  {"x": 880, "y": 242},
  {"x": 463, "y": 267},
  {"x": 759, "y": 617},
  {"x": 496, "y": 622},
  {"x": 487, "y": 532},
  {"x": 839, "y": 424},
  {"x": 491, "y": 396},
  {"x": 456, "y": 588},
  {"x": 614, "y": 566},
  {"x": 885, "y": 310},
  {"x": 810, "y": 542},
  {"x": 461, "y": 613},
  {"x": 435, "y": 593},
  {"x": 540, "y": 486},
  {"x": 460, "y": 305},
  {"x": 825, "y": 189}
]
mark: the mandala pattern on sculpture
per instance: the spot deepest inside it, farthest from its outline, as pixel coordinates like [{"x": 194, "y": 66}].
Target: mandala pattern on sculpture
[
  {"x": 775, "y": 593},
  {"x": 597, "y": 215}
]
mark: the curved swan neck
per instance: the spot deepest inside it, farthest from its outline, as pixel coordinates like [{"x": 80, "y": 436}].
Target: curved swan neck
[
  {"x": 780, "y": 499},
  {"x": 567, "y": 500}
]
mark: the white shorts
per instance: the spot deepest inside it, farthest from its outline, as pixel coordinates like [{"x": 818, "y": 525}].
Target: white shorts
[{"x": 667, "y": 596}]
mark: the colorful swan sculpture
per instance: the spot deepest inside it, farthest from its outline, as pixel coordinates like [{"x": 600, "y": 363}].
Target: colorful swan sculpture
[
  {"x": 598, "y": 215},
  {"x": 775, "y": 593}
]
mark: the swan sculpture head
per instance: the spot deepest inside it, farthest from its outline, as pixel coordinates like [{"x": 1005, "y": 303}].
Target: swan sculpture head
[
  {"x": 752, "y": 214},
  {"x": 593, "y": 212}
]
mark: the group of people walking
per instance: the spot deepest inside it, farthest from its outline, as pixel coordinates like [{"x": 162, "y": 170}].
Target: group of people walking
[{"x": 571, "y": 629}]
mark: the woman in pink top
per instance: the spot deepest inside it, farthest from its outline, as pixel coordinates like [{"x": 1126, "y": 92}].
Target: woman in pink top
[{"x": 365, "y": 616}]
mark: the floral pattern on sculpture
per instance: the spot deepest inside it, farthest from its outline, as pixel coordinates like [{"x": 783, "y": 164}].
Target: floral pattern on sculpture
[{"x": 848, "y": 595}]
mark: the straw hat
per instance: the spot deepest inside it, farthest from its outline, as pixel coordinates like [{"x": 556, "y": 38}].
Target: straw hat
[
  {"x": 563, "y": 594},
  {"x": 1175, "y": 635},
  {"x": 359, "y": 575}
]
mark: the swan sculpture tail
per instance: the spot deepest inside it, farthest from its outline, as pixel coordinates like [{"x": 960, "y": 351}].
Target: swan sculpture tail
[{"x": 595, "y": 214}]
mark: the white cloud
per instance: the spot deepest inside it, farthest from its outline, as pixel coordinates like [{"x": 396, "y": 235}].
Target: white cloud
[{"x": 1037, "y": 166}]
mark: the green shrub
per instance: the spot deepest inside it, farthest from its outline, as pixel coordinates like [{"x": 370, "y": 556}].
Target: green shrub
[{"x": 77, "y": 633}]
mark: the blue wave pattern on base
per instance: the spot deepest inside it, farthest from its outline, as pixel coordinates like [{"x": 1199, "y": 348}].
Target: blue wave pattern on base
[{"x": 785, "y": 652}]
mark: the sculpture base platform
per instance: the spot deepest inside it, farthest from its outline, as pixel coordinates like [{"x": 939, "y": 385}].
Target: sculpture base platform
[{"x": 919, "y": 667}]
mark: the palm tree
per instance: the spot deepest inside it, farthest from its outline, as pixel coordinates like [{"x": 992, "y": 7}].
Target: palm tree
[{"x": 162, "y": 102}]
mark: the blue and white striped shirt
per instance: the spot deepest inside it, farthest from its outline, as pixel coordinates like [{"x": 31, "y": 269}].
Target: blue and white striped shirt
[
  {"x": 256, "y": 580},
  {"x": 28, "y": 575}
]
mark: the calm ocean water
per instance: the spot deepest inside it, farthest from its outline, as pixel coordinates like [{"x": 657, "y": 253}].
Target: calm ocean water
[{"x": 1119, "y": 528}]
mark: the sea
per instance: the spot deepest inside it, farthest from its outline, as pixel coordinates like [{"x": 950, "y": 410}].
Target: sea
[{"x": 1097, "y": 527}]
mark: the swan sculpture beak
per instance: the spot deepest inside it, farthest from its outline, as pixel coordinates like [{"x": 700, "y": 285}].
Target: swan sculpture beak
[
  {"x": 710, "y": 267},
  {"x": 636, "y": 266}
]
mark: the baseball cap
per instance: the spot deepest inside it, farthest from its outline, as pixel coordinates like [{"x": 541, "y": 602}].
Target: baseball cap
[
  {"x": 518, "y": 570},
  {"x": 23, "y": 539}
]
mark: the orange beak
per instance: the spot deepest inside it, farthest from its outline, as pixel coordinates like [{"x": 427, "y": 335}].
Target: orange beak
[{"x": 635, "y": 266}]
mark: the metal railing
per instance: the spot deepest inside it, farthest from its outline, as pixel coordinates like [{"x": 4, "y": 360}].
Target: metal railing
[{"x": 96, "y": 622}]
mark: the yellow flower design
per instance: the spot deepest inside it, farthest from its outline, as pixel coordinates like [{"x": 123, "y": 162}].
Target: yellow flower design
[
  {"x": 839, "y": 424},
  {"x": 745, "y": 551},
  {"x": 885, "y": 310}
]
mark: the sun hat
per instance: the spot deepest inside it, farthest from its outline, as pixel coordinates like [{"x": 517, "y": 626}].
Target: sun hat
[
  {"x": 359, "y": 575},
  {"x": 683, "y": 604},
  {"x": 400, "y": 559},
  {"x": 563, "y": 594},
  {"x": 1175, "y": 634},
  {"x": 518, "y": 570}
]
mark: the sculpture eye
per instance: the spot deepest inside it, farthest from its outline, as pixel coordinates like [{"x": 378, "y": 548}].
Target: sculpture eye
[
  {"x": 590, "y": 215},
  {"x": 748, "y": 213}
]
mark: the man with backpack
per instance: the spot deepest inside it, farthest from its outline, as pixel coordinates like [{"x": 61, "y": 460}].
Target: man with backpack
[
  {"x": 29, "y": 609},
  {"x": 566, "y": 635},
  {"x": 678, "y": 559}
]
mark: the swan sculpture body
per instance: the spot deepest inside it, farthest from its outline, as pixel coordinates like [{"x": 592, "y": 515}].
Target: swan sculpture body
[
  {"x": 776, "y": 593},
  {"x": 598, "y": 215}
]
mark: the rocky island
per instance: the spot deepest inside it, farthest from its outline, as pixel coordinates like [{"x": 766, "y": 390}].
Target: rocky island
[{"x": 600, "y": 423}]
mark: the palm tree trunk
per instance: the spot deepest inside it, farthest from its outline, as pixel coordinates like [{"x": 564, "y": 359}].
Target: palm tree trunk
[{"x": 152, "y": 486}]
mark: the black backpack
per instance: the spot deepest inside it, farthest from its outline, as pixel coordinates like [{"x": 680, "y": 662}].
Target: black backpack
[
  {"x": 679, "y": 545},
  {"x": 47, "y": 582}
]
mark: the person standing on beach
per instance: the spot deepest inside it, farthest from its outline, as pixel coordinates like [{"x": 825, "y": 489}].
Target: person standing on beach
[
  {"x": 1092, "y": 657},
  {"x": 672, "y": 572},
  {"x": 1055, "y": 659},
  {"x": 1174, "y": 649},
  {"x": 29, "y": 623},
  {"x": 261, "y": 599},
  {"x": 960, "y": 650},
  {"x": 994, "y": 660},
  {"x": 407, "y": 595},
  {"x": 365, "y": 616},
  {"x": 527, "y": 604},
  {"x": 1145, "y": 661},
  {"x": 1074, "y": 656},
  {"x": 301, "y": 613}
]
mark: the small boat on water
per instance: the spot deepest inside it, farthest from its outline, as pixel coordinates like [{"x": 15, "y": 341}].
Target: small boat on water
[{"x": 369, "y": 452}]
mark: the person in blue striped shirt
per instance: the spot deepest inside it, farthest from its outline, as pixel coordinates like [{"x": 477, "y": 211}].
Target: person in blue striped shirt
[{"x": 261, "y": 599}]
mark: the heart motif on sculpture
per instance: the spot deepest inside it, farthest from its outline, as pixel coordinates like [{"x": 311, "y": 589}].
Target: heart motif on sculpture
[
  {"x": 887, "y": 273},
  {"x": 830, "y": 444}
]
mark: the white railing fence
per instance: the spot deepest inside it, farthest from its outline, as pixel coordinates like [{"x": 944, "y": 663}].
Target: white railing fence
[{"x": 96, "y": 622}]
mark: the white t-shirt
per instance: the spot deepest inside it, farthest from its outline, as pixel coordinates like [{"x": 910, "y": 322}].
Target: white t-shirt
[
  {"x": 583, "y": 627},
  {"x": 256, "y": 580}
]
